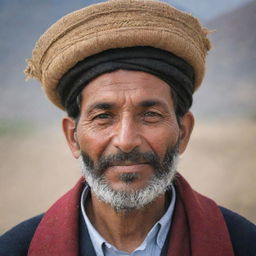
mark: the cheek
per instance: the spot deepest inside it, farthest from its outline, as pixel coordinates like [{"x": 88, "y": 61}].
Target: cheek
[
  {"x": 93, "y": 142},
  {"x": 160, "y": 139},
  {"x": 157, "y": 138}
]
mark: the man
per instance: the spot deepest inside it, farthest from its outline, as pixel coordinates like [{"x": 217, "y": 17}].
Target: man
[{"x": 125, "y": 72}]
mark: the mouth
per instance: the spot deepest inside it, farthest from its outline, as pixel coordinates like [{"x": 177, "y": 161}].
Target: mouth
[
  {"x": 127, "y": 163},
  {"x": 128, "y": 167}
]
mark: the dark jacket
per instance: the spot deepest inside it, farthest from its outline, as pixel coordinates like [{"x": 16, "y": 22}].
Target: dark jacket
[{"x": 15, "y": 242}]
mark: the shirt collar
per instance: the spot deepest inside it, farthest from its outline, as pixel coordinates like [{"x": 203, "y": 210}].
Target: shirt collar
[
  {"x": 96, "y": 238},
  {"x": 159, "y": 231},
  {"x": 165, "y": 221}
]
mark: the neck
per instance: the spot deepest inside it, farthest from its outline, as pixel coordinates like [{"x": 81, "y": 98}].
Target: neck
[{"x": 125, "y": 230}]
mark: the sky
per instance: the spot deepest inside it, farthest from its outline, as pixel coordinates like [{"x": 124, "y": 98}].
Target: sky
[
  {"x": 204, "y": 9},
  {"x": 208, "y": 9}
]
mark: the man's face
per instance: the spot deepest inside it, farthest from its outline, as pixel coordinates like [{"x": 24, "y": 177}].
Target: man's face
[{"x": 127, "y": 130}]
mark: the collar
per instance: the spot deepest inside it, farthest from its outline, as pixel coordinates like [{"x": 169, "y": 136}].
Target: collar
[
  {"x": 198, "y": 226},
  {"x": 157, "y": 235}
]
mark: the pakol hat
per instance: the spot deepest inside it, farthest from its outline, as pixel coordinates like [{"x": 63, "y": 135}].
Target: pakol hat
[{"x": 116, "y": 24}]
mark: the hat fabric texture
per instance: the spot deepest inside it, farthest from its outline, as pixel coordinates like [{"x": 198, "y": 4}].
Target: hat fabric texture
[
  {"x": 116, "y": 24},
  {"x": 178, "y": 74}
]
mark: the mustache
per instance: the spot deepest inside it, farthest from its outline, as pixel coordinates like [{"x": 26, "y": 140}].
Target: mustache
[
  {"x": 122, "y": 158},
  {"x": 133, "y": 157},
  {"x": 130, "y": 158}
]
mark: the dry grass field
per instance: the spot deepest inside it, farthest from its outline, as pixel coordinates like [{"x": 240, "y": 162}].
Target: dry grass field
[{"x": 36, "y": 168}]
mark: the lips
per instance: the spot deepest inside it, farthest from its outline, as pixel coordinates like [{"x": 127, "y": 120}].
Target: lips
[
  {"x": 127, "y": 163},
  {"x": 128, "y": 168}
]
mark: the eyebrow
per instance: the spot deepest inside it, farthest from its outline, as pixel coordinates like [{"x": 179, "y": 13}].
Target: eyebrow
[
  {"x": 100, "y": 106},
  {"x": 108, "y": 106},
  {"x": 151, "y": 103}
]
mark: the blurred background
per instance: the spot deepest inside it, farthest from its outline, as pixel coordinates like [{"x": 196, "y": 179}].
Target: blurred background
[{"x": 36, "y": 166}]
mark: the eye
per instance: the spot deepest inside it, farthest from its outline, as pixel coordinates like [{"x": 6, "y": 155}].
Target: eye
[
  {"x": 103, "y": 119},
  {"x": 103, "y": 116},
  {"x": 152, "y": 116},
  {"x": 151, "y": 113}
]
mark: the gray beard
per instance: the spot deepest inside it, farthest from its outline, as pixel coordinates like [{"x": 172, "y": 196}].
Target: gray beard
[{"x": 125, "y": 201}]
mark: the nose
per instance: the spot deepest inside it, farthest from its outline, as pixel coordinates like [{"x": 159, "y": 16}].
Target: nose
[{"x": 127, "y": 135}]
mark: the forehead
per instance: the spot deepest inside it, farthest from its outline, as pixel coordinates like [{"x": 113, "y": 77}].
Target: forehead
[{"x": 122, "y": 83}]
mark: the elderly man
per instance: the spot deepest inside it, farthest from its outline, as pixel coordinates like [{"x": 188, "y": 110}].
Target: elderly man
[{"x": 125, "y": 72}]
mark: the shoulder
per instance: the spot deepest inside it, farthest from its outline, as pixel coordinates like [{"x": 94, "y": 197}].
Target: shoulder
[
  {"x": 16, "y": 241},
  {"x": 242, "y": 233}
]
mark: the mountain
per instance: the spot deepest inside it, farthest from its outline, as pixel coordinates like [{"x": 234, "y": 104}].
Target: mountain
[
  {"x": 230, "y": 72},
  {"x": 207, "y": 10},
  {"x": 229, "y": 88}
]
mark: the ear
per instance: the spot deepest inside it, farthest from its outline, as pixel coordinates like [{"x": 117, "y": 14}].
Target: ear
[
  {"x": 69, "y": 129},
  {"x": 186, "y": 127}
]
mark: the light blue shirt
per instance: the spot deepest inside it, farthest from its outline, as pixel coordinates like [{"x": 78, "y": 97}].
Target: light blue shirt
[{"x": 152, "y": 244}]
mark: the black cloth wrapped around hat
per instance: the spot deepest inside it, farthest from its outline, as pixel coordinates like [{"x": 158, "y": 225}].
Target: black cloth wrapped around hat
[{"x": 166, "y": 66}]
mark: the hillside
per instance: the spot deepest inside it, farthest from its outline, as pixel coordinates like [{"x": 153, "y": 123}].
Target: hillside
[{"x": 230, "y": 83}]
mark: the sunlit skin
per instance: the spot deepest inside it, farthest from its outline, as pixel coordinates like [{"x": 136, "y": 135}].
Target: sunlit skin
[{"x": 121, "y": 111}]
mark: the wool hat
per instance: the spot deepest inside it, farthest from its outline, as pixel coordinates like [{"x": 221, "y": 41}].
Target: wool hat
[{"x": 116, "y": 24}]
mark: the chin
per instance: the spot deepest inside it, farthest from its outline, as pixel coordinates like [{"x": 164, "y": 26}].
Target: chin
[
  {"x": 126, "y": 191},
  {"x": 135, "y": 195}
]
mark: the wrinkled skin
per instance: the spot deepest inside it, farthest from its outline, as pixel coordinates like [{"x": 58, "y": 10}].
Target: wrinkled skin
[{"x": 123, "y": 111}]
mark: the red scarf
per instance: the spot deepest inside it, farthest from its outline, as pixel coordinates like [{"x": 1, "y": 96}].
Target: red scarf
[{"x": 198, "y": 227}]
